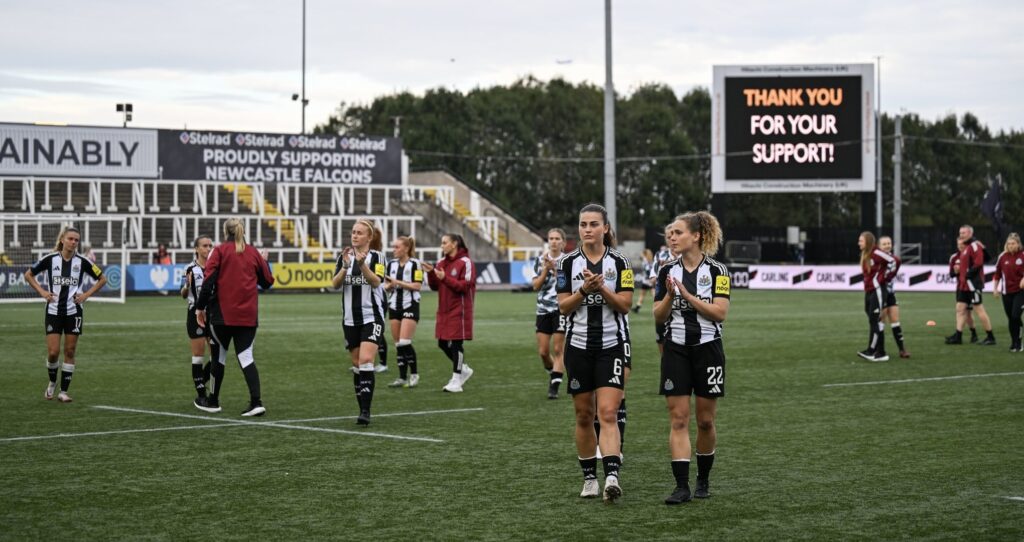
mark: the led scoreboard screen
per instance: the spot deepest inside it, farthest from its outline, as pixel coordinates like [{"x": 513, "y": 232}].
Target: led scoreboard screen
[{"x": 793, "y": 128}]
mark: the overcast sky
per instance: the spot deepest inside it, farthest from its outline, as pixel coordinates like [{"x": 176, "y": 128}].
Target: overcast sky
[{"x": 233, "y": 64}]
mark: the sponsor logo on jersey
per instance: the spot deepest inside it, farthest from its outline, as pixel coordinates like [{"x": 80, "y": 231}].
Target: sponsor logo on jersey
[
  {"x": 65, "y": 281},
  {"x": 669, "y": 386},
  {"x": 378, "y": 269},
  {"x": 627, "y": 278},
  {"x": 722, "y": 285},
  {"x": 417, "y": 276}
]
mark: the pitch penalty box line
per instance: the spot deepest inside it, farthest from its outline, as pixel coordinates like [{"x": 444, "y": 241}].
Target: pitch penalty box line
[
  {"x": 117, "y": 432},
  {"x": 913, "y": 380},
  {"x": 286, "y": 424}
]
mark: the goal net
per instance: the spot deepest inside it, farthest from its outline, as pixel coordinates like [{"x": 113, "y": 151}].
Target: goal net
[{"x": 24, "y": 239}]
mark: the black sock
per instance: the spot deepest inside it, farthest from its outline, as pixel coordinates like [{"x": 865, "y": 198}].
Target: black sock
[
  {"x": 252, "y": 379},
  {"x": 410, "y": 359},
  {"x": 197, "y": 379},
  {"x": 404, "y": 356},
  {"x": 555, "y": 380},
  {"x": 51, "y": 370},
  {"x": 704, "y": 463},
  {"x": 367, "y": 381},
  {"x": 611, "y": 465},
  {"x": 357, "y": 384},
  {"x": 206, "y": 371},
  {"x": 217, "y": 376},
  {"x": 897, "y": 333},
  {"x": 589, "y": 467},
  {"x": 989, "y": 335},
  {"x": 621, "y": 421},
  {"x": 681, "y": 471},
  {"x": 974, "y": 333},
  {"x": 65, "y": 377},
  {"x": 382, "y": 351}
]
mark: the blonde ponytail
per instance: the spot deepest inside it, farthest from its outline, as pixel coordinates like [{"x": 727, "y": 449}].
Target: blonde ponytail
[
  {"x": 59, "y": 247},
  {"x": 235, "y": 230}
]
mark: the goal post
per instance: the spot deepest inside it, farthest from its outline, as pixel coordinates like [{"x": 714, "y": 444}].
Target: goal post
[{"x": 24, "y": 239}]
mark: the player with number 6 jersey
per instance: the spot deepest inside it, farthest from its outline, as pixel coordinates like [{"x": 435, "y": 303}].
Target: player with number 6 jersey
[
  {"x": 360, "y": 274},
  {"x": 691, "y": 299},
  {"x": 65, "y": 272},
  {"x": 595, "y": 291}
]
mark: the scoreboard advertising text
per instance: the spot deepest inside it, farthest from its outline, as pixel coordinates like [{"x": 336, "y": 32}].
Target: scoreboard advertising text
[
  {"x": 198, "y": 155},
  {"x": 793, "y": 128}
]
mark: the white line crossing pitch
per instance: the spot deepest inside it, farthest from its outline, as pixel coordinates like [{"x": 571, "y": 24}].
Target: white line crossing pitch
[
  {"x": 284, "y": 424},
  {"x": 910, "y": 380}
]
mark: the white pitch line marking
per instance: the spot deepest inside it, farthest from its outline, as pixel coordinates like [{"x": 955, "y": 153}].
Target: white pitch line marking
[
  {"x": 268, "y": 424},
  {"x": 932, "y": 379},
  {"x": 119, "y": 432},
  {"x": 1014, "y": 498}
]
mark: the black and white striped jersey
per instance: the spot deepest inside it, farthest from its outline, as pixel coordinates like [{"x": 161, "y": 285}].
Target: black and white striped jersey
[
  {"x": 595, "y": 325},
  {"x": 547, "y": 296},
  {"x": 196, "y": 284},
  {"x": 361, "y": 303},
  {"x": 709, "y": 280},
  {"x": 410, "y": 272},
  {"x": 64, "y": 278}
]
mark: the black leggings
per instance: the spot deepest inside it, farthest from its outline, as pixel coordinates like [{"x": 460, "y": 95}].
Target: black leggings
[
  {"x": 1013, "y": 305},
  {"x": 453, "y": 349},
  {"x": 873, "y": 308}
]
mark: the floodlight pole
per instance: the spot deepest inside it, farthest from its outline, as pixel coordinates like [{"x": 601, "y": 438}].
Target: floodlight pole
[
  {"x": 878, "y": 150},
  {"x": 897, "y": 189},
  {"x": 609, "y": 119},
  {"x": 304, "y": 100}
]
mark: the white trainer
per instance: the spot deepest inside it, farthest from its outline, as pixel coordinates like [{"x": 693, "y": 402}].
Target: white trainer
[
  {"x": 454, "y": 385},
  {"x": 591, "y": 489},
  {"x": 48, "y": 394},
  {"x": 380, "y": 368},
  {"x": 466, "y": 373},
  {"x": 612, "y": 491},
  {"x": 63, "y": 397},
  {"x": 414, "y": 380},
  {"x": 398, "y": 383}
]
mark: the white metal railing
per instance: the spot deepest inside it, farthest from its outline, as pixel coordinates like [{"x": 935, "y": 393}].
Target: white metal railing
[
  {"x": 525, "y": 253},
  {"x": 486, "y": 226},
  {"x": 204, "y": 197},
  {"x": 333, "y": 229}
]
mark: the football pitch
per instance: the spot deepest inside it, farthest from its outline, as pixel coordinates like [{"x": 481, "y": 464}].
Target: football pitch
[{"x": 814, "y": 443}]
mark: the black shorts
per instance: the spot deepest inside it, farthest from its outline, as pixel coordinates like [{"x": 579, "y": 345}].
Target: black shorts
[
  {"x": 698, "y": 370},
  {"x": 970, "y": 297},
  {"x": 67, "y": 325},
  {"x": 411, "y": 313},
  {"x": 644, "y": 285},
  {"x": 889, "y": 298},
  {"x": 195, "y": 331},
  {"x": 588, "y": 370},
  {"x": 551, "y": 323},
  {"x": 366, "y": 333},
  {"x": 873, "y": 302}
]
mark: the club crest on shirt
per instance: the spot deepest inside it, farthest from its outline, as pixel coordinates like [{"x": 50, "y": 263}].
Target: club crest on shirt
[
  {"x": 1019, "y": 261},
  {"x": 704, "y": 280},
  {"x": 609, "y": 274},
  {"x": 561, "y": 279}
]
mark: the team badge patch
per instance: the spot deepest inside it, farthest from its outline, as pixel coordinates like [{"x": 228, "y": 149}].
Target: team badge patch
[
  {"x": 722, "y": 285},
  {"x": 704, "y": 280},
  {"x": 417, "y": 276},
  {"x": 669, "y": 386},
  {"x": 609, "y": 274},
  {"x": 575, "y": 384},
  {"x": 627, "y": 278},
  {"x": 561, "y": 278}
]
